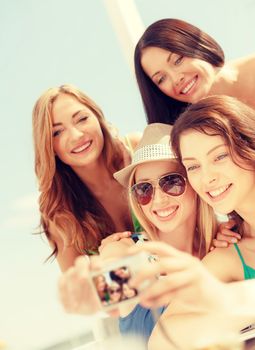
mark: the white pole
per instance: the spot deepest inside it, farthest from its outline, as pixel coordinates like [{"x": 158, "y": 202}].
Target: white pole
[{"x": 127, "y": 25}]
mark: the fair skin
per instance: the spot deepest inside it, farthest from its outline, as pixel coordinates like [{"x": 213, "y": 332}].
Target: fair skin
[
  {"x": 78, "y": 141},
  {"x": 189, "y": 79},
  {"x": 185, "y": 279},
  {"x": 199, "y": 318},
  {"x": 176, "y": 232},
  {"x": 115, "y": 292},
  {"x": 227, "y": 187},
  {"x": 127, "y": 291},
  {"x": 167, "y": 213},
  {"x": 176, "y": 228}
]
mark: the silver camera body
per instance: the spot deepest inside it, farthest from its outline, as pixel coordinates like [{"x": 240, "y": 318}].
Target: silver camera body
[{"x": 111, "y": 283}]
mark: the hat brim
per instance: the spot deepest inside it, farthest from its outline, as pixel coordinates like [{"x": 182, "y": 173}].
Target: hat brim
[{"x": 123, "y": 175}]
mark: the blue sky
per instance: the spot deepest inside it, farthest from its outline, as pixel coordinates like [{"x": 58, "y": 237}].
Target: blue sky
[{"x": 48, "y": 43}]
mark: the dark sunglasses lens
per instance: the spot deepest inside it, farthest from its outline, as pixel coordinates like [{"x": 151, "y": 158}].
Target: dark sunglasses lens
[
  {"x": 173, "y": 184},
  {"x": 143, "y": 192},
  {"x": 112, "y": 291}
]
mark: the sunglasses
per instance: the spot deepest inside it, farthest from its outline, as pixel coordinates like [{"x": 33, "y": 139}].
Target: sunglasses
[
  {"x": 173, "y": 184},
  {"x": 112, "y": 291}
]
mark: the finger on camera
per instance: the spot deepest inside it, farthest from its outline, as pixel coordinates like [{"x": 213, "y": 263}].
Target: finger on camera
[
  {"x": 220, "y": 244},
  {"x": 228, "y": 232},
  {"x": 158, "y": 248},
  {"x": 114, "y": 238},
  {"x": 228, "y": 224},
  {"x": 168, "y": 284},
  {"x": 163, "y": 266},
  {"x": 229, "y": 239}
]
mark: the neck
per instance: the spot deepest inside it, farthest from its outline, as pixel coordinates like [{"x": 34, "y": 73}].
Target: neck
[
  {"x": 246, "y": 211},
  {"x": 180, "y": 238},
  {"x": 249, "y": 230},
  {"x": 96, "y": 177},
  {"x": 224, "y": 81}
]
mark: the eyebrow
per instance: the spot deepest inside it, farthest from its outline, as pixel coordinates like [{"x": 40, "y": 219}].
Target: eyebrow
[
  {"x": 73, "y": 116},
  {"x": 167, "y": 60},
  {"x": 209, "y": 152}
]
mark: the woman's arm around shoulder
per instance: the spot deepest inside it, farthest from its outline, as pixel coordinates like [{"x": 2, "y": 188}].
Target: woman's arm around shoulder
[{"x": 134, "y": 138}]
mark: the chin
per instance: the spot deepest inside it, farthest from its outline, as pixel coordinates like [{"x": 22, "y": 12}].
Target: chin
[{"x": 223, "y": 211}]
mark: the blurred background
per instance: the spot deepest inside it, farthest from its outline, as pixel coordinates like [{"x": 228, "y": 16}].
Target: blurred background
[{"x": 52, "y": 42}]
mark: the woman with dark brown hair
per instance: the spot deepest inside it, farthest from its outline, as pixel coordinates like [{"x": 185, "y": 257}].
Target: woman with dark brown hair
[{"x": 177, "y": 64}]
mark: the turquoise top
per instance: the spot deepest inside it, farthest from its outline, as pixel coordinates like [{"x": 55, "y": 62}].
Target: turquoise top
[{"x": 249, "y": 272}]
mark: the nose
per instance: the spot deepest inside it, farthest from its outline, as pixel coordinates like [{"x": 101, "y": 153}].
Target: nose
[
  {"x": 178, "y": 78},
  {"x": 159, "y": 195},
  {"x": 75, "y": 133},
  {"x": 209, "y": 177}
]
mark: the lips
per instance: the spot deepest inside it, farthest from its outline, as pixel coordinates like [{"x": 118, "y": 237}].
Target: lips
[
  {"x": 165, "y": 213},
  {"x": 81, "y": 147},
  {"x": 218, "y": 192},
  {"x": 188, "y": 86}
]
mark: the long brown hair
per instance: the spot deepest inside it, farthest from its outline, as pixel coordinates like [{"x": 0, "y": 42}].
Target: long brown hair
[
  {"x": 65, "y": 201},
  {"x": 220, "y": 115},
  {"x": 181, "y": 38}
]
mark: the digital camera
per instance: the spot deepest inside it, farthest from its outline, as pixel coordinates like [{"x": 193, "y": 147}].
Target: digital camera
[{"x": 111, "y": 282}]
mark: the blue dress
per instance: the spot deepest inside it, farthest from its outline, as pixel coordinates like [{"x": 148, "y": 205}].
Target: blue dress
[{"x": 139, "y": 322}]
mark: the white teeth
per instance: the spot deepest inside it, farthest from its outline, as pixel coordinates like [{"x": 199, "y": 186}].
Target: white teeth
[
  {"x": 81, "y": 148},
  {"x": 189, "y": 86},
  {"x": 219, "y": 191},
  {"x": 164, "y": 213}
]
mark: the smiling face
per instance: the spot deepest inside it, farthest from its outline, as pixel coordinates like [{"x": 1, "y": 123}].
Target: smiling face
[
  {"x": 212, "y": 173},
  {"x": 182, "y": 78},
  {"x": 100, "y": 283},
  {"x": 128, "y": 292},
  {"x": 77, "y": 136},
  {"x": 167, "y": 213},
  {"x": 122, "y": 272},
  {"x": 115, "y": 292}
]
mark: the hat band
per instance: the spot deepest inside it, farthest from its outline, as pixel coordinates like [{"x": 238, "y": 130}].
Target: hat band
[{"x": 152, "y": 152}]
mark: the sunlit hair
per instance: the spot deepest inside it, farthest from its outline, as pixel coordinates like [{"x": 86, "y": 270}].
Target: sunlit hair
[
  {"x": 65, "y": 202},
  {"x": 224, "y": 116},
  {"x": 181, "y": 38},
  {"x": 205, "y": 222}
]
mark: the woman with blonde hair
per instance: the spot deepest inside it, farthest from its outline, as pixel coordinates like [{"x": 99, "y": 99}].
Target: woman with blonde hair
[
  {"x": 222, "y": 173},
  {"x": 168, "y": 209},
  {"x": 75, "y": 158}
]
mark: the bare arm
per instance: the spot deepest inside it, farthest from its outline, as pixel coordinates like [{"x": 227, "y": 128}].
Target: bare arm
[
  {"x": 76, "y": 292},
  {"x": 66, "y": 253},
  {"x": 201, "y": 304},
  {"x": 222, "y": 264}
]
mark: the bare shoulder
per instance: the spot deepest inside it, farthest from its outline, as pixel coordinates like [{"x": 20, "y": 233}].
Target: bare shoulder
[
  {"x": 223, "y": 263},
  {"x": 244, "y": 61},
  {"x": 134, "y": 138}
]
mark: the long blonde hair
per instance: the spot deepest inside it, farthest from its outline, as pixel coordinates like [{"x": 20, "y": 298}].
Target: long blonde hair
[
  {"x": 65, "y": 202},
  {"x": 206, "y": 224}
]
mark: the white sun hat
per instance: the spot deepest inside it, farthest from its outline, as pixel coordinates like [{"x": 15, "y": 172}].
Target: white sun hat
[{"x": 153, "y": 146}]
